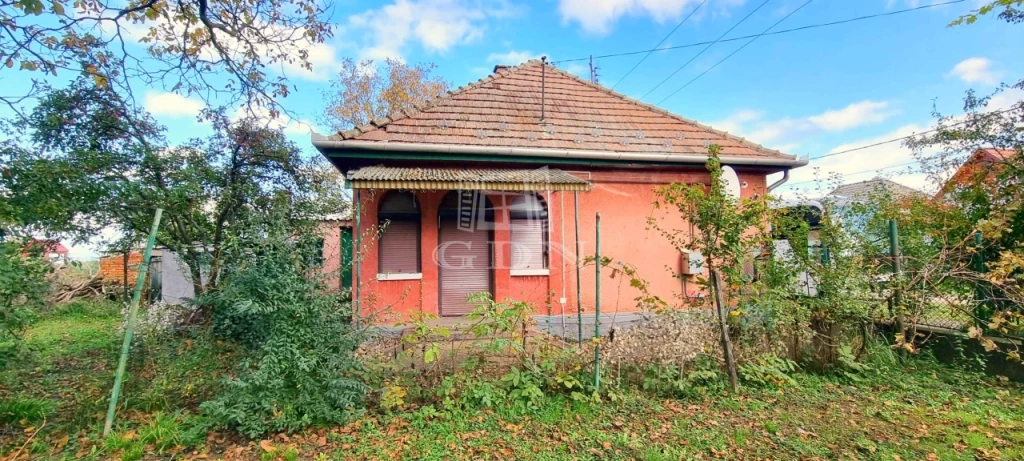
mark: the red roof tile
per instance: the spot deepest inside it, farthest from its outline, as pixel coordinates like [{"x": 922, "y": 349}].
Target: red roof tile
[{"x": 504, "y": 110}]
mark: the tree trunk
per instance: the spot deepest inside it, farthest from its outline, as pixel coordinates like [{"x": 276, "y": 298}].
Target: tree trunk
[
  {"x": 730, "y": 361},
  {"x": 824, "y": 343}
]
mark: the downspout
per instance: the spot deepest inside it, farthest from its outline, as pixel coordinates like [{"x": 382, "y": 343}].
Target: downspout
[{"x": 776, "y": 184}]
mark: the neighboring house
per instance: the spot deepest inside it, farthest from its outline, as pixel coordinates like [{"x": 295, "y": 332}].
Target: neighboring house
[
  {"x": 336, "y": 244},
  {"x": 480, "y": 191},
  {"x": 982, "y": 165},
  {"x": 169, "y": 279},
  {"x": 864, "y": 190},
  {"x": 51, "y": 250}
]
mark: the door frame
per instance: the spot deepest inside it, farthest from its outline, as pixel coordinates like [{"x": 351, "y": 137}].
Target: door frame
[{"x": 445, "y": 215}]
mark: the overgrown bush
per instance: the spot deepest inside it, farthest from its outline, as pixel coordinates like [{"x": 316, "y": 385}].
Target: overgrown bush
[
  {"x": 300, "y": 371},
  {"x": 23, "y": 290}
]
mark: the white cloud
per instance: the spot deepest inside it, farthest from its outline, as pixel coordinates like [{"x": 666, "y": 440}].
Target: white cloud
[
  {"x": 171, "y": 105},
  {"x": 293, "y": 127},
  {"x": 788, "y": 131},
  {"x": 975, "y": 70},
  {"x": 437, "y": 25},
  {"x": 598, "y": 16},
  {"x": 856, "y": 114},
  {"x": 512, "y": 57},
  {"x": 861, "y": 165}
]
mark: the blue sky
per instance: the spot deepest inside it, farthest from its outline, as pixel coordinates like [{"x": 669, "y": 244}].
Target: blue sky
[{"x": 808, "y": 93}]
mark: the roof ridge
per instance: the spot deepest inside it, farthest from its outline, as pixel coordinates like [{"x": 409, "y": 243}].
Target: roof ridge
[{"x": 383, "y": 122}]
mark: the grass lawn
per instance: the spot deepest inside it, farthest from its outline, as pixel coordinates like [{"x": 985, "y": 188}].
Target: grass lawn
[{"x": 923, "y": 411}]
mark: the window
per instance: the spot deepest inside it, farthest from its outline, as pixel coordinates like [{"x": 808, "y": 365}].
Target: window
[
  {"x": 399, "y": 246},
  {"x": 529, "y": 229}
]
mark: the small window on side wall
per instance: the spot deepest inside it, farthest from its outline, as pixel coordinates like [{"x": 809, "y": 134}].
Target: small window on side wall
[
  {"x": 529, "y": 233},
  {"x": 399, "y": 245}
]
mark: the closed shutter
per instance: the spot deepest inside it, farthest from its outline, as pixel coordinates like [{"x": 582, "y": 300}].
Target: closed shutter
[
  {"x": 528, "y": 244},
  {"x": 400, "y": 248},
  {"x": 465, "y": 260}
]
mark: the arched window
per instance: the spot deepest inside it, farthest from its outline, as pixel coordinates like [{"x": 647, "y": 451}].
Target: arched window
[
  {"x": 529, "y": 229},
  {"x": 399, "y": 246}
]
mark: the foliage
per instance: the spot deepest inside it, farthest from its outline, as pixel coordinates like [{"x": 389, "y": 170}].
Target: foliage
[
  {"x": 302, "y": 367},
  {"x": 363, "y": 93},
  {"x": 87, "y": 163},
  {"x": 1011, "y": 12},
  {"x": 726, "y": 230},
  {"x": 185, "y": 41},
  {"x": 23, "y": 289},
  {"x": 702, "y": 376},
  {"x": 769, "y": 370}
]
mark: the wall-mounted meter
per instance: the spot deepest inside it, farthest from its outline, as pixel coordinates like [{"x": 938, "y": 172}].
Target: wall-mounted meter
[{"x": 692, "y": 262}]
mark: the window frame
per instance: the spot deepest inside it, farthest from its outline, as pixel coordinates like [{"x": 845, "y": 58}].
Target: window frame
[
  {"x": 541, "y": 214},
  {"x": 389, "y": 217}
]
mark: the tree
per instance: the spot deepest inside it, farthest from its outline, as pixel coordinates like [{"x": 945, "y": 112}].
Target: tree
[
  {"x": 185, "y": 42},
  {"x": 363, "y": 92},
  {"x": 725, "y": 230},
  {"x": 87, "y": 164},
  {"x": 1011, "y": 12}
]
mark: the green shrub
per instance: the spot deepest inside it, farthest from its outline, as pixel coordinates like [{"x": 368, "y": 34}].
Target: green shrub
[
  {"x": 23, "y": 289},
  {"x": 301, "y": 368},
  {"x": 768, "y": 370}
]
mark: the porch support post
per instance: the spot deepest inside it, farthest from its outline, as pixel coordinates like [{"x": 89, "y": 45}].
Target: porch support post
[{"x": 357, "y": 195}]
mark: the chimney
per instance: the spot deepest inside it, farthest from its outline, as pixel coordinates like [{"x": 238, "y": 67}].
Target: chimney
[{"x": 500, "y": 67}]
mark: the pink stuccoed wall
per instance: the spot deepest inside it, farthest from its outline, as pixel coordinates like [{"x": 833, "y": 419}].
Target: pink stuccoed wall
[{"x": 625, "y": 199}]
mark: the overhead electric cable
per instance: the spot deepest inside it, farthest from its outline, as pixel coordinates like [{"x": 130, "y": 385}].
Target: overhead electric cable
[
  {"x": 659, "y": 44},
  {"x": 694, "y": 79},
  {"x": 720, "y": 37},
  {"x": 778, "y": 32}
]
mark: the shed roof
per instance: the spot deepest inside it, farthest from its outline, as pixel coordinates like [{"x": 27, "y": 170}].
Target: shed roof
[{"x": 539, "y": 110}]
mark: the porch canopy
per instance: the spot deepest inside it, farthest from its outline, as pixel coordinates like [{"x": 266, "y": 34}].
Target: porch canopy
[{"x": 540, "y": 179}]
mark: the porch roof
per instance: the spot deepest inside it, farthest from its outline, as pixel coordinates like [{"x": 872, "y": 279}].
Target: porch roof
[{"x": 542, "y": 179}]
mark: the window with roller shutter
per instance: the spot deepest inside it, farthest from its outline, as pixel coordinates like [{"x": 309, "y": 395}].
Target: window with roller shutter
[
  {"x": 399, "y": 245},
  {"x": 529, "y": 232}
]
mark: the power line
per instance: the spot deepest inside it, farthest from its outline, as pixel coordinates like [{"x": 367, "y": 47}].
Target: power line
[
  {"x": 856, "y": 173},
  {"x": 720, "y": 37},
  {"x": 831, "y": 154},
  {"x": 778, "y": 32},
  {"x": 880, "y": 143},
  {"x": 659, "y": 44},
  {"x": 735, "y": 51}
]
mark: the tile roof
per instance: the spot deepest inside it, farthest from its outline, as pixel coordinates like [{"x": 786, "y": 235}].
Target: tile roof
[
  {"x": 382, "y": 177},
  {"x": 504, "y": 110},
  {"x": 865, "y": 189}
]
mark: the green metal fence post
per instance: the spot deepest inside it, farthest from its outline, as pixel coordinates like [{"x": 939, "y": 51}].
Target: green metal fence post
[
  {"x": 129, "y": 328},
  {"x": 597, "y": 305}
]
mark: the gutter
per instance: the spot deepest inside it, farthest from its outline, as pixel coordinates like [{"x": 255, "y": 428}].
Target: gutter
[
  {"x": 785, "y": 177},
  {"x": 323, "y": 143}
]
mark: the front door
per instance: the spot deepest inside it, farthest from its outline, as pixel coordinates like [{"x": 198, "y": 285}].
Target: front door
[{"x": 464, "y": 260}]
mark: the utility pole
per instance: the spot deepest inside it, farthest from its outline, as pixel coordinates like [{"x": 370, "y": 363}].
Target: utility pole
[{"x": 593, "y": 71}]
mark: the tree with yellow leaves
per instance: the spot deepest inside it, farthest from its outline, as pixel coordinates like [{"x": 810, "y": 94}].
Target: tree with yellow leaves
[{"x": 363, "y": 91}]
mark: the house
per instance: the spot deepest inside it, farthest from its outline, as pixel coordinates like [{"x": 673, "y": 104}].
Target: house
[
  {"x": 51, "y": 250},
  {"x": 982, "y": 165},
  {"x": 169, "y": 279},
  {"x": 336, "y": 245},
  {"x": 864, "y": 190},
  {"x": 496, "y": 187}
]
